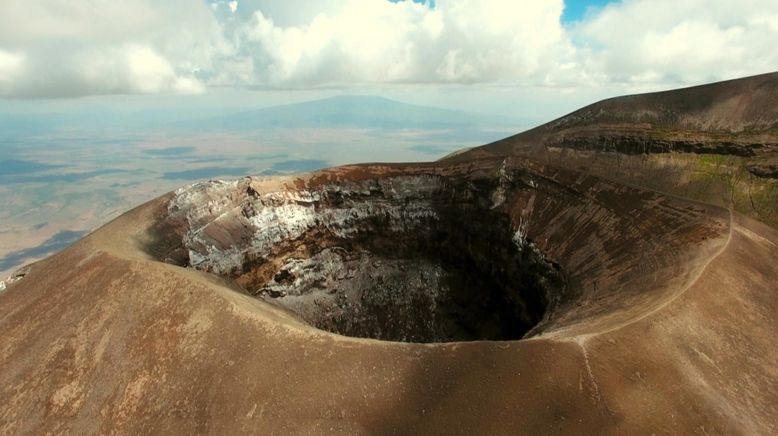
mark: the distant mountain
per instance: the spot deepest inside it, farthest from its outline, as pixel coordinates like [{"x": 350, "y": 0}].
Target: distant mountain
[
  {"x": 353, "y": 111},
  {"x": 335, "y": 112}
]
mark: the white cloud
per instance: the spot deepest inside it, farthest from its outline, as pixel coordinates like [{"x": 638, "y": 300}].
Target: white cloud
[
  {"x": 66, "y": 48},
  {"x": 376, "y": 41},
  {"x": 666, "y": 42},
  {"x": 148, "y": 73},
  {"x": 10, "y": 67}
]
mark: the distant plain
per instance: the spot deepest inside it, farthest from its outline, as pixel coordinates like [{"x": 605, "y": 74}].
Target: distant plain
[{"x": 61, "y": 178}]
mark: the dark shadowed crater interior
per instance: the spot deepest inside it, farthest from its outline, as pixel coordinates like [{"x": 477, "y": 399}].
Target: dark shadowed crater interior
[{"x": 390, "y": 261}]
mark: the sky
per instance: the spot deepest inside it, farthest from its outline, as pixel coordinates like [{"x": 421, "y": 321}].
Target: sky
[
  {"x": 576, "y": 10},
  {"x": 514, "y": 57}
]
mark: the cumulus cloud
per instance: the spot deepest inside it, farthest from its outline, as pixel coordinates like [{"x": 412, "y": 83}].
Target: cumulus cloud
[
  {"x": 64, "y": 48},
  {"x": 665, "y": 42},
  {"x": 56, "y": 48},
  {"x": 377, "y": 41},
  {"x": 10, "y": 65}
]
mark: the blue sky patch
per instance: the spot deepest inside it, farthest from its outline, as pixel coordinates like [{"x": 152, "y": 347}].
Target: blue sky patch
[{"x": 576, "y": 10}]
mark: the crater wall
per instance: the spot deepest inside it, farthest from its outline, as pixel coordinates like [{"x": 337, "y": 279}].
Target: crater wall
[{"x": 495, "y": 251}]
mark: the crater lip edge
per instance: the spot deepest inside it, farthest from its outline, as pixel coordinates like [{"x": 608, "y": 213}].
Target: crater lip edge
[{"x": 430, "y": 254}]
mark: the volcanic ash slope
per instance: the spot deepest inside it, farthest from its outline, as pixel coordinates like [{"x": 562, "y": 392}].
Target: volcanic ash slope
[{"x": 489, "y": 294}]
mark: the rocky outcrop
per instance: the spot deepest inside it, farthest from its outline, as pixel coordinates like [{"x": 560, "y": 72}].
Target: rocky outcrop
[
  {"x": 767, "y": 171},
  {"x": 631, "y": 144},
  {"x": 14, "y": 277}
]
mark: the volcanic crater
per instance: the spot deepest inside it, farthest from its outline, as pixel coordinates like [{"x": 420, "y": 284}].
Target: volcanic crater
[
  {"x": 522, "y": 287},
  {"x": 410, "y": 258},
  {"x": 437, "y": 254}
]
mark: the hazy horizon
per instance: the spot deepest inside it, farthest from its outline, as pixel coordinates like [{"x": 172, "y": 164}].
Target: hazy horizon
[{"x": 61, "y": 176}]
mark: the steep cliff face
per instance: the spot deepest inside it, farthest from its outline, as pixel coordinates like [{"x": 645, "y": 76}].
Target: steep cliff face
[
  {"x": 493, "y": 251},
  {"x": 637, "y": 142},
  {"x": 414, "y": 257}
]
